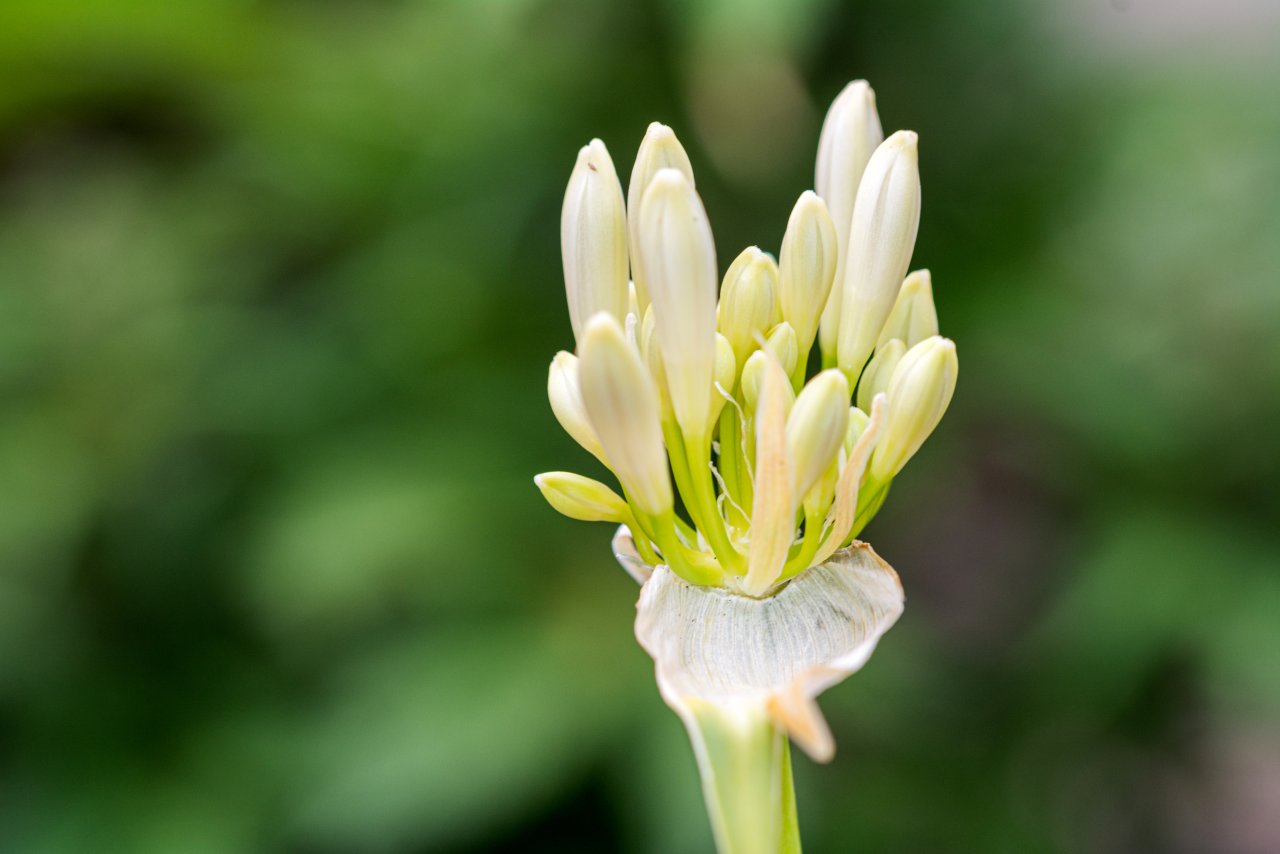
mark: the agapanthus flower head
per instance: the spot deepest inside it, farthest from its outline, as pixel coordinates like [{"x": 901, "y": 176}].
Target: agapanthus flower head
[{"x": 745, "y": 476}]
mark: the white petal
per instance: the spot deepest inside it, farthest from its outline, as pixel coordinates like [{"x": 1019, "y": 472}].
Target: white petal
[{"x": 710, "y": 644}]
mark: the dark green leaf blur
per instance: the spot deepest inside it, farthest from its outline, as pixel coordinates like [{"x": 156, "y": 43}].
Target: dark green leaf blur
[{"x": 279, "y": 284}]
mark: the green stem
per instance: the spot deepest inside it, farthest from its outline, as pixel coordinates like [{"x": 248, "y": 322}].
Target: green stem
[
  {"x": 731, "y": 466},
  {"x": 745, "y": 762},
  {"x": 868, "y": 509},
  {"x": 701, "y": 501}
]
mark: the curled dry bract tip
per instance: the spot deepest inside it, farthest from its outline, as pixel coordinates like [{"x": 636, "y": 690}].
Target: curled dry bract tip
[{"x": 713, "y": 646}]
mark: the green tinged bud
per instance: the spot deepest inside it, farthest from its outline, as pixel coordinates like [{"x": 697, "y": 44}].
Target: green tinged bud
[
  {"x": 919, "y": 392},
  {"x": 593, "y": 239},
  {"x": 752, "y": 378},
  {"x": 566, "y": 403},
  {"x": 914, "y": 317},
  {"x": 858, "y": 421},
  {"x": 807, "y": 266},
  {"x": 886, "y": 216},
  {"x": 748, "y": 300},
  {"x": 726, "y": 373},
  {"x": 622, "y": 404},
  {"x": 680, "y": 264},
  {"x": 816, "y": 428},
  {"x": 850, "y": 133},
  {"x": 784, "y": 346},
  {"x": 875, "y": 378},
  {"x": 658, "y": 150},
  {"x": 581, "y": 497}
]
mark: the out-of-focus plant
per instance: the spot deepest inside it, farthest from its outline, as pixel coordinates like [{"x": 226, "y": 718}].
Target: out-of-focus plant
[{"x": 757, "y": 597}]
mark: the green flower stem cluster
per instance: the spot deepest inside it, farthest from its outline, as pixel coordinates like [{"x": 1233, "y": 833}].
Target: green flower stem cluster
[{"x": 691, "y": 385}]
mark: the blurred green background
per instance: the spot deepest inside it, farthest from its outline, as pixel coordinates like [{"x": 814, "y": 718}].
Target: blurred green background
[{"x": 279, "y": 283}]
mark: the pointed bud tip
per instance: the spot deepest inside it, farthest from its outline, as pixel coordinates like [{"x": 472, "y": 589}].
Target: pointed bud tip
[
  {"x": 595, "y": 156},
  {"x": 602, "y": 323},
  {"x": 668, "y": 179},
  {"x": 906, "y": 140},
  {"x": 859, "y": 89}
]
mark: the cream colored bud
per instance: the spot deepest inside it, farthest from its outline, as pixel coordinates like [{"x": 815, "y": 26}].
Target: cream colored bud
[
  {"x": 816, "y": 428},
  {"x": 875, "y": 378},
  {"x": 913, "y": 317},
  {"x": 919, "y": 392},
  {"x": 622, "y": 404},
  {"x": 807, "y": 266},
  {"x": 783, "y": 344},
  {"x": 886, "y": 216},
  {"x": 753, "y": 378},
  {"x": 593, "y": 239},
  {"x": 581, "y": 497},
  {"x": 680, "y": 263},
  {"x": 566, "y": 403},
  {"x": 726, "y": 373},
  {"x": 850, "y": 133},
  {"x": 658, "y": 150},
  {"x": 748, "y": 300},
  {"x": 858, "y": 420}
]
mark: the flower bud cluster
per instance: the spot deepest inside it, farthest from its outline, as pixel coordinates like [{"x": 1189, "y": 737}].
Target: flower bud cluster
[{"x": 682, "y": 388}]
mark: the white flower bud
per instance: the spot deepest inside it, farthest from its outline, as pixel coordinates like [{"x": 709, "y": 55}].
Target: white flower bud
[
  {"x": 748, "y": 300},
  {"x": 816, "y": 428},
  {"x": 913, "y": 317},
  {"x": 807, "y": 266},
  {"x": 858, "y": 420},
  {"x": 621, "y": 403},
  {"x": 726, "y": 373},
  {"x": 875, "y": 378},
  {"x": 680, "y": 264},
  {"x": 593, "y": 239},
  {"x": 919, "y": 392},
  {"x": 753, "y": 378},
  {"x": 658, "y": 150},
  {"x": 850, "y": 133},
  {"x": 566, "y": 403},
  {"x": 581, "y": 497},
  {"x": 783, "y": 344},
  {"x": 881, "y": 238}
]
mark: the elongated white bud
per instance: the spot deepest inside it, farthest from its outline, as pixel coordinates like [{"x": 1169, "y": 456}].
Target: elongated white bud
[
  {"x": 816, "y": 428},
  {"x": 593, "y": 238},
  {"x": 913, "y": 317},
  {"x": 881, "y": 238},
  {"x": 875, "y": 379},
  {"x": 658, "y": 150},
  {"x": 807, "y": 266},
  {"x": 566, "y": 403},
  {"x": 581, "y": 497},
  {"x": 679, "y": 259},
  {"x": 919, "y": 392},
  {"x": 621, "y": 403},
  {"x": 850, "y": 133},
  {"x": 748, "y": 300}
]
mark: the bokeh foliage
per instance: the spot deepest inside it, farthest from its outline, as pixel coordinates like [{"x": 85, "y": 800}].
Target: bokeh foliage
[{"x": 279, "y": 282}]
